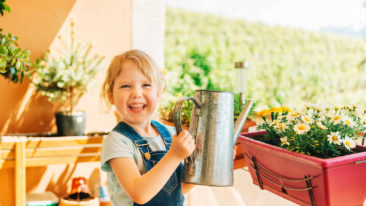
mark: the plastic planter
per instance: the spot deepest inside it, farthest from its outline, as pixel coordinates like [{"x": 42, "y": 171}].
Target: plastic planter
[{"x": 304, "y": 179}]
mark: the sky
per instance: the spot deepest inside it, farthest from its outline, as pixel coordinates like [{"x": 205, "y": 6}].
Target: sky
[{"x": 315, "y": 15}]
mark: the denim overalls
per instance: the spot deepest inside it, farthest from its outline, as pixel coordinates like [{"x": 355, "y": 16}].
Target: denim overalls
[{"x": 171, "y": 193}]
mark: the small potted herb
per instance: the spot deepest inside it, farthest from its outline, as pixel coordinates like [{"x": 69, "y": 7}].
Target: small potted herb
[{"x": 65, "y": 77}]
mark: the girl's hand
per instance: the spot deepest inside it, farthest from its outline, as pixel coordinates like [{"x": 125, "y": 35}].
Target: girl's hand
[{"x": 182, "y": 145}]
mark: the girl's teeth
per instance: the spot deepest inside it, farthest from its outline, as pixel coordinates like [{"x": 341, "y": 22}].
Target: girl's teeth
[{"x": 136, "y": 106}]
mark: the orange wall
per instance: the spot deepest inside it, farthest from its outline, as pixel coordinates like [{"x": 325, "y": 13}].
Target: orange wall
[{"x": 37, "y": 23}]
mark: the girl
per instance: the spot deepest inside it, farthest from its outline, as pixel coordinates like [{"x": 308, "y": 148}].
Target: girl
[{"x": 140, "y": 156}]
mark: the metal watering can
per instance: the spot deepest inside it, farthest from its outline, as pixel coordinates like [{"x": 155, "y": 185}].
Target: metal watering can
[{"x": 212, "y": 127}]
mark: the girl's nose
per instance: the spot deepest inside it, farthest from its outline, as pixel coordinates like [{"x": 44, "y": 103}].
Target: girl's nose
[{"x": 136, "y": 93}]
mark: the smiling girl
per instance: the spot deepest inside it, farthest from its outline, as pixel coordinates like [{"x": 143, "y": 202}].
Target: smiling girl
[{"x": 142, "y": 157}]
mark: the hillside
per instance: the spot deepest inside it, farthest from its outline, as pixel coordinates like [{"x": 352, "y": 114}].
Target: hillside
[{"x": 288, "y": 66}]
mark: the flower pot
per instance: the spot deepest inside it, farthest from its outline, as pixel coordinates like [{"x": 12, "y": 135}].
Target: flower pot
[
  {"x": 239, "y": 160},
  {"x": 70, "y": 124},
  {"x": 304, "y": 179}
]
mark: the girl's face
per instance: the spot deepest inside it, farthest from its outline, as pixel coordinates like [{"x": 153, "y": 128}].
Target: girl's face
[{"x": 134, "y": 96}]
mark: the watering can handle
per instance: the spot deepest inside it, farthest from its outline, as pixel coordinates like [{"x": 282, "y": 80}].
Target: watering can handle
[{"x": 178, "y": 110}]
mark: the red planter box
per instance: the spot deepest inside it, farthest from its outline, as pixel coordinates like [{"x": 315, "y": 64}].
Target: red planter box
[{"x": 304, "y": 179}]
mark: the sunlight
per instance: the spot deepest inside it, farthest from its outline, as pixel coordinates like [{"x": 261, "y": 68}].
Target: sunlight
[{"x": 329, "y": 15}]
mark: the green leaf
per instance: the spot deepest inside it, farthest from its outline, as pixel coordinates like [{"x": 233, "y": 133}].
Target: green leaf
[
  {"x": 13, "y": 62},
  {"x": 21, "y": 76},
  {"x": 26, "y": 54},
  {"x": 3, "y": 50},
  {"x": 11, "y": 50},
  {"x": 18, "y": 65},
  {"x": 18, "y": 52},
  {"x": 7, "y": 8},
  {"x": 2, "y": 65}
]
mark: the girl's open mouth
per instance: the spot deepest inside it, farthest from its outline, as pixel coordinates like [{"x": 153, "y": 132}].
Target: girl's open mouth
[{"x": 136, "y": 107}]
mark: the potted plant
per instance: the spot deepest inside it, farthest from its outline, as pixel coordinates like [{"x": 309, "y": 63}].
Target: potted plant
[
  {"x": 310, "y": 158},
  {"x": 14, "y": 61},
  {"x": 65, "y": 77}
]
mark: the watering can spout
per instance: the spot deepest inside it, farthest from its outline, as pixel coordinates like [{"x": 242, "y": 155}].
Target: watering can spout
[{"x": 241, "y": 119}]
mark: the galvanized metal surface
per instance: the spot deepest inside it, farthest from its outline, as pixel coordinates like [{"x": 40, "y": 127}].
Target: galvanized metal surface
[{"x": 212, "y": 127}]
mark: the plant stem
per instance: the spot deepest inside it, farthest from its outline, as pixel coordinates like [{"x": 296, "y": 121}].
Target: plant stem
[{"x": 71, "y": 96}]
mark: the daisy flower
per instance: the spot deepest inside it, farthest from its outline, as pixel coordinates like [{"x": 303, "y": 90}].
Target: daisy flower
[
  {"x": 322, "y": 117},
  {"x": 320, "y": 125},
  {"x": 281, "y": 127},
  {"x": 334, "y": 138},
  {"x": 284, "y": 141},
  {"x": 275, "y": 122},
  {"x": 307, "y": 119},
  {"x": 349, "y": 143},
  {"x": 291, "y": 116},
  {"x": 301, "y": 128},
  {"x": 348, "y": 121},
  {"x": 336, "y": 119}
]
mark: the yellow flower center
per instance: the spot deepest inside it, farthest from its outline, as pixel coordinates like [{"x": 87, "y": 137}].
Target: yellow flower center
[
  {"x": 335, "y": 138},
  {"x": 348, "y": 143},
  {"x": 348, "y": 122},
  {"x": 301, "y": 127},
  {"x": 337, "y": 118}
]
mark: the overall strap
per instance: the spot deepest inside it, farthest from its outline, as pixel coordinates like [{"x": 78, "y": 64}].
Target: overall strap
[
  {"x": 164, "y": 132},
  {"x": 135, "y": 137}
]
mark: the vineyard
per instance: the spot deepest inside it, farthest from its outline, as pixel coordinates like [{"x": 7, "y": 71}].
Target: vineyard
[{"x": 289, "y": 66}]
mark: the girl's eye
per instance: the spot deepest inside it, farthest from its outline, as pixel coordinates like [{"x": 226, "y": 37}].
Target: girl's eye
[
  {"x": 125, "y": 86},
  {"x": 147, "y": 85}
]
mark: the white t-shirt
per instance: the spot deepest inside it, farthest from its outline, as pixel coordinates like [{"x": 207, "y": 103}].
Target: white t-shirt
[{"x": 117, "y": 145}]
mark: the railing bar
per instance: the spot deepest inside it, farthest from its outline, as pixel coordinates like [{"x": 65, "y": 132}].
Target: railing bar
[
  {"x": 290, "y": 188},
  {"x": 308, "y": 184},
  {"x": 279, "y": 177}
]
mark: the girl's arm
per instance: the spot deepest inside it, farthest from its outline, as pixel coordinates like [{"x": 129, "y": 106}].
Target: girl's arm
[
  {"x": 142, "y": 188},
  {"x": 186, "y": 187}
]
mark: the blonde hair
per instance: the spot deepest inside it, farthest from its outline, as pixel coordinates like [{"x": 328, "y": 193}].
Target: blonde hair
[{"x": 147, "y": 65}]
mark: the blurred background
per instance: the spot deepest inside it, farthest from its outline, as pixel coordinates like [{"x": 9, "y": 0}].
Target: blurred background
[{"x": 300, "y": 52}]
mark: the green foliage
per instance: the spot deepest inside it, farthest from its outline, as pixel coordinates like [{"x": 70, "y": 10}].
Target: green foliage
[
  {"x": 3, "y": 7},
  {"x": 66, "y": 75},
  {"x": 321, "y": 132},
  {"x": 288, "y": 66},
  {"x": 14, "y": 61}
]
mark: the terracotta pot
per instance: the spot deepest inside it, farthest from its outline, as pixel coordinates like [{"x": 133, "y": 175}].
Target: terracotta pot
[
  {"x": 79, "y": 194},
  {"x": 91, "y": 202}
]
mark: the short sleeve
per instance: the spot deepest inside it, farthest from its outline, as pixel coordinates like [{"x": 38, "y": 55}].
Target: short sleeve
[
  {"x": 171, "y": 130},
  {"x": 115, "y": 145}
]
